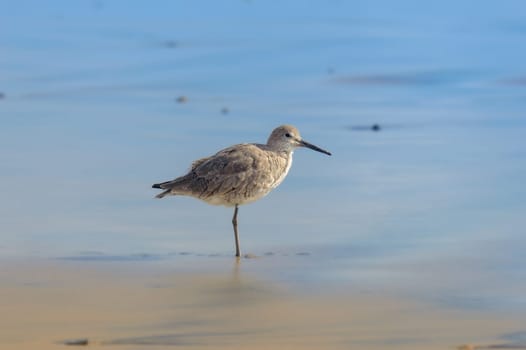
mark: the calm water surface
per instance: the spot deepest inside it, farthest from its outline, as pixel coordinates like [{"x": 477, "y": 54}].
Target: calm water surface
[{"x": 431, "y": 205}]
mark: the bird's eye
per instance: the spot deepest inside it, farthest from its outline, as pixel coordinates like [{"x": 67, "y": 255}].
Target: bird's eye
[{"x": 287, "y": 135}]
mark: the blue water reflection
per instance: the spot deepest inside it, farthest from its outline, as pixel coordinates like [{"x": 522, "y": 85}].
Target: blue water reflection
[{"x": 89, "y": 120}]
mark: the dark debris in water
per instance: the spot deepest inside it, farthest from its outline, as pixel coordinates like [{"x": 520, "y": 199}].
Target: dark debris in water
[
  {"x": 181, "y": 99},
  {"x": 170, "y": 44},
  {"x": 372, "y": 127},
  {"x": 76, "y": 342}
]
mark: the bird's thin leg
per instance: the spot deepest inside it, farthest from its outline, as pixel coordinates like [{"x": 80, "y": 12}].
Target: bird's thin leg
[{"x": 234, "y": 223}]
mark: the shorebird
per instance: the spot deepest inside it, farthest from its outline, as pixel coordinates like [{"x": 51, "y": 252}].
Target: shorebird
[{"x": 240, "y": 174}]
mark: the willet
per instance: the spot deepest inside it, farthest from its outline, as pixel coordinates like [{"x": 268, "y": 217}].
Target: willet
[{"x": 240, "y": 174}]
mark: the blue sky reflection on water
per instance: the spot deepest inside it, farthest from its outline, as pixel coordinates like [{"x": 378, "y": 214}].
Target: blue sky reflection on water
[{"x": 89, "y": 120}]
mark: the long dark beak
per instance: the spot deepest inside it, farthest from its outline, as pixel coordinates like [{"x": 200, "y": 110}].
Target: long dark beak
[{"x": 311, "y": 146}]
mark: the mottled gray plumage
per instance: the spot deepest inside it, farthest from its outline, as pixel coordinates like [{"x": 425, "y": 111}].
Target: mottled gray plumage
[{"x": 241, "y": 173}]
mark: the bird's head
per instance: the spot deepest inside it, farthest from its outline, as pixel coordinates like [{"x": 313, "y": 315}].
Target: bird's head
[{"x": 287, "y": 138}]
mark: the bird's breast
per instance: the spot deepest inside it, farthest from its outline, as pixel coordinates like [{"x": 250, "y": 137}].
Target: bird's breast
[{"x": 282, "y": 172}]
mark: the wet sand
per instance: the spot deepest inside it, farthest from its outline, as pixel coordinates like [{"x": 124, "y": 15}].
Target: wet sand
[{"x": 138, "y": 305}]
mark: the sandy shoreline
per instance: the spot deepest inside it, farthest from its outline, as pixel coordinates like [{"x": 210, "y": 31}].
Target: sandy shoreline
[{"x": 45, "y": 302}]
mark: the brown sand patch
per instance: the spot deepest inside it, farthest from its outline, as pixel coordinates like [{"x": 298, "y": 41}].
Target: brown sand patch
[{"x": 44, "y": 303}]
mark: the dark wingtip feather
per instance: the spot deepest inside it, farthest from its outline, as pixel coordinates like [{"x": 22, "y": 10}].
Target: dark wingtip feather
[{"x": 156, "y": 186}]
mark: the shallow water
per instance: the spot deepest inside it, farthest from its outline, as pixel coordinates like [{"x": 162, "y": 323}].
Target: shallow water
[{"x": 429, "y": 208}]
